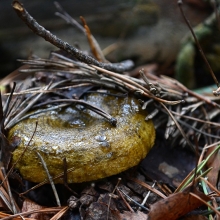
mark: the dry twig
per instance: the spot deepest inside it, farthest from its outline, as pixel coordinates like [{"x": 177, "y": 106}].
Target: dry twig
[{"x": 48, "y": 36}]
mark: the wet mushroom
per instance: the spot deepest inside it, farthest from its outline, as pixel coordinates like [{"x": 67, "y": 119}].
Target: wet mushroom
[{"x": 91, "y": 145}]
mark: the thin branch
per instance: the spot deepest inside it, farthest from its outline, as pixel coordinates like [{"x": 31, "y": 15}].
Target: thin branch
[
  {"x": 110, "y": 197},
  {"x": 132, "y": 200},
  {"x": 154, "y": 190},
  {"x": 47, "y": 181},
  {"x": 48, "y": 36},
  {"x": 65, "y": 178},
  {"x": 126, "y": 203}
]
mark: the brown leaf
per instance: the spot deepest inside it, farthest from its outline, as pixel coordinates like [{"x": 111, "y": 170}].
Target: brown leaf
[{"x": 176, "y": 205}]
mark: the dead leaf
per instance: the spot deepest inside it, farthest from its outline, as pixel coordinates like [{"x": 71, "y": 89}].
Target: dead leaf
[{"x": 176, "y": 205}]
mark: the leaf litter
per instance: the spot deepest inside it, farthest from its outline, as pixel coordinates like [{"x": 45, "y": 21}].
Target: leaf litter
[{"x": 187, "y": 125}]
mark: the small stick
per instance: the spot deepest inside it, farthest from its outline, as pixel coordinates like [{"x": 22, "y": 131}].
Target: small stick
[
  {"x": 50, "y": 179},
  {"x": 148, "y": 194},
  {"x": 126, "y": 203},
  {"x": 48, "y": 36},
  {"x": 138, "y": 204},
  {"x": 46, "y": 181},
  {"x": 145, "y": 185},
  {"x": 65, "y": 178},
  {"x": 110, "y": 197},
  {"x": 198, "y": 44}
]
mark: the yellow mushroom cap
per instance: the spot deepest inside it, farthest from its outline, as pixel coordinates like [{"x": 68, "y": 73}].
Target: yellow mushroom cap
[{"x": 93, "y": 148}]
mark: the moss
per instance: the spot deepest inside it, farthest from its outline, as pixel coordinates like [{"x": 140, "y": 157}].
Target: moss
[{"x": 91, "y": 145}]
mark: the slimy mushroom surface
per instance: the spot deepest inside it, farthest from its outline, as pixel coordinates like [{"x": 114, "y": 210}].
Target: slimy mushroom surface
[{"x": 93, "y": 148}]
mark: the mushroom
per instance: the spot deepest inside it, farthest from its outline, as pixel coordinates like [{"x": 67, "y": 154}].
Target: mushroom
[{"x": 93, "y": 148}]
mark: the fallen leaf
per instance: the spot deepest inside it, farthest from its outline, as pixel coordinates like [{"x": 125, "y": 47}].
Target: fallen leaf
[{"x": 176, "y": 205}]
